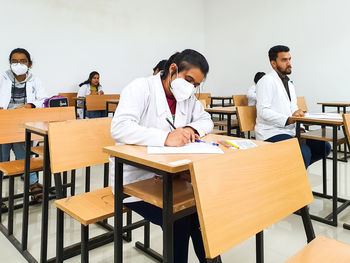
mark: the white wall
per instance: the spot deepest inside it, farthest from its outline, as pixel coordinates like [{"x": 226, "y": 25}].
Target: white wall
[
  {"x": 238, "y": 35},
  {"x": 121, "y": 39}
]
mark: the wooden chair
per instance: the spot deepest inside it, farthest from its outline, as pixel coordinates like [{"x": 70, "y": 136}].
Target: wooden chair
[
  {"x": 246, "y": 118},
  {"x": 301, "y": 102},
  {"x": 78, "y": 144},
  {"x": 98, "y": 102},
  {"x": 12, "y": 131},
  {"x": 240, "y": 100},
  {"x": 204, "y": 96},
  {"x": 69, "y": 96},
  {"x": 253, "y": 195}
]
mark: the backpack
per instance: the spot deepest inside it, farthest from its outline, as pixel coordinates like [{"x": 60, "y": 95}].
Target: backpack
[{"x": 56, "y": 101}]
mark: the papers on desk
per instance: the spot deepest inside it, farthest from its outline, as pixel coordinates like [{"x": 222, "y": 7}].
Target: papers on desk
[
  {"x": 187, "y": 149},
  {"x": 327, "y": 116},
  {"x": 242, "y": 144}
]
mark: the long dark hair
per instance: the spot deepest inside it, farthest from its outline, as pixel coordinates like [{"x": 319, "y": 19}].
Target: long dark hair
[
  {"x": 88, "y": 81},
  {"x": 185, "y": 60}
]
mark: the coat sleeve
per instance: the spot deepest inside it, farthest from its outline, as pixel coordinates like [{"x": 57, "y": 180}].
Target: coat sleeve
[
  {"x": 264, "y": 95},
  {"x": 40, "y": 94},
  {"x": 294, "y": 105},
  {"x": 125, "y": 127},
  {"x": 82, "y": 91},
  {"x": 201, "y": 120}
]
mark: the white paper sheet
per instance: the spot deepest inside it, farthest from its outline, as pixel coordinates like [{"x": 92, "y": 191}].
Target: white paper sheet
[
  {"x": 188, "y": 148},
  {"x": 330, "y": 116},
  {"x": 243, "y": 144}
]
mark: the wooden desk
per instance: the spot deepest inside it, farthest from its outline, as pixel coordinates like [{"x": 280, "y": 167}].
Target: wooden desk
[
  {"x": 160, "y": 164},
  {"x": 332, "y": 218},
  {"x": 229, "y": 111},
  {"x": 222, "y": 98},
  {"x": 113, "y": 102},
  {"x": 335, "y": 104}
]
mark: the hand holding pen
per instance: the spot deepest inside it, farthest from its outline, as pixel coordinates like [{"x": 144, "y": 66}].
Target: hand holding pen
[{"x": 179, "y": 136}]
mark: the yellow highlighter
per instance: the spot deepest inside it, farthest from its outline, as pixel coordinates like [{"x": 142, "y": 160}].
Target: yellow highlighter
[{"x": 230, "y": 143}]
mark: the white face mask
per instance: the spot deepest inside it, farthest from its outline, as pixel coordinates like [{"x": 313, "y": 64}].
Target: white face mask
[
  {"x": 181, "y": 88},
  {"x": 19, "y": 69}
]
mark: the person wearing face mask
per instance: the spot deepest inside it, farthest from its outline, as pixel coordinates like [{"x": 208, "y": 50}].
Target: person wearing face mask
[
  {"x": 146, "y": 107},
  {"x": 277, "y": 102},
  {"x": 92, "y": 86},
  {"x": 19, "y": 89}
]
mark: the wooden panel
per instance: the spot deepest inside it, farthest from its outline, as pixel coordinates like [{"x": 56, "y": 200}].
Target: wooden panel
[
  {"x": 323, "y": 250},
  {"x": 89, "y": 208},
  {"x": 39, "y": 150},
  {"x": 335, "y": 103},
  {"x": 77, "y": 144},
  {"x": 253, "y": 189},
  {"x": 17, "y": 167},
  {"x": 165, "y": 162},
  {"x": 223, "y": 110},
  {"x": 151, "y": 191},
  {"x": 301, "y": 102},
  {"x": 223, "y": 123},
  {"x": 204, "y": 96},
  {"x": 113, "y": 105},
  {"x": 204, "y": 103},
  {"x": 246, "y": 117},
  {"x": 240, "y": 100},
  {"x": 323, "y": 121},
  {"x": 324, "y": 134},
  {"x": 346, "y": 119},
  {"x": 69, "y": 96},
  {"x": 98, "y": 102},
  {"x": 219, "y": 132},
  {"x": 12, "y": 121}
]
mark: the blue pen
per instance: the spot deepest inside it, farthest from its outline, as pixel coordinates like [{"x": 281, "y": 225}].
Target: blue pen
[{"x": 211, "y": 143}]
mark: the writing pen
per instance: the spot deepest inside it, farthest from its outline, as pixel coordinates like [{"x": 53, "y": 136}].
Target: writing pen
[
  {"x": 211, "y": 143},
  {"x": 171, "y": 124}
]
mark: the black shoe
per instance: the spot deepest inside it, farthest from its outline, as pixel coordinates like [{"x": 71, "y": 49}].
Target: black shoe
[{"x": 217, "y": 259}]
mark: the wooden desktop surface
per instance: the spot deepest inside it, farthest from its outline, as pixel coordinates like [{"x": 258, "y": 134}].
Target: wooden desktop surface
[
  {"x": 223, "y": 110},
  {"x": 138, "y": 154}
]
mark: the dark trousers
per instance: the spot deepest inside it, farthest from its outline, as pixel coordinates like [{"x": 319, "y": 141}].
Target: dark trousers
[
  {"x": 312, "y": 150},
  {"x": 184, "y": 228}
]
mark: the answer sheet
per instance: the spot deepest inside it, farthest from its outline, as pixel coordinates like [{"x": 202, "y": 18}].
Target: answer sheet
[{"x": 188, "y": 148}]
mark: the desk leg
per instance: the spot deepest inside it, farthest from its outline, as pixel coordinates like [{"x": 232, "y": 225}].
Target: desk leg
[
  {"x": 84, "y": 108},
  {"x": 76, "y": 108},
  {"x": 118, "y": 211},
  {"x": 26, "y": 191},
  {"x": 309, "y": 230},
  {"x": 324, "y": 169},
  {"x": 228, "y": 124},
  {"x": 107, "y": 108},
  {"x": 335, "y": 176},
  {"x": 45, "y": 204},
  {"x": 259, "y": 240},
  {"x": 168, "y": 223},
  {"x": 323, "y": 108}
]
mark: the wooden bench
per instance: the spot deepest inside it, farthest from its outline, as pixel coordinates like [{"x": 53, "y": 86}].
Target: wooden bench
[
  {"x": 69, "y": 96},
  {"x": 12, "y": 131},
  {"x": 263, "y": 189},
  {"x": 204, "y": 96},
  {"x": 98, "y": 102},
  {"x": 78, "y": 144}
]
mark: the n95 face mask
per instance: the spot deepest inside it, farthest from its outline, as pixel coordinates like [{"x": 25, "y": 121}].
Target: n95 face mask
[
  {"x": 19, "y": 69},
  {"x": 181, "y": 88}
]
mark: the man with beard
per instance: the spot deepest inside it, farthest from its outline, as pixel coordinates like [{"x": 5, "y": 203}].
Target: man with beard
[{"x": 277, "y": 102}]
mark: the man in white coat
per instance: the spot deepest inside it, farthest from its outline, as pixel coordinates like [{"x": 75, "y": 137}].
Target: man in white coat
[
  {"x": 277, "y": 102},
  {"x": 149, "y": 109}
]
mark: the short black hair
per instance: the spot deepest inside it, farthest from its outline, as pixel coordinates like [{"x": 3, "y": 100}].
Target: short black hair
[
  {"x": 21, "y": 51},
  {"x": 258, "y": 76},
  {"x": 185, "y": 60},
  {"x": 160, "y": 65},
  {"x": 273, "y": 52}
]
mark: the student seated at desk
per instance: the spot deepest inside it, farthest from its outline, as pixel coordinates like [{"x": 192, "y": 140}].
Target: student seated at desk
[
  {"x": 19, "y": 89},
  {"x": 251, "y": 93},
  {"x": 276, "y": 102},
  {"x": 141, "y": 118},
  {"x": 92, "y": 86}
]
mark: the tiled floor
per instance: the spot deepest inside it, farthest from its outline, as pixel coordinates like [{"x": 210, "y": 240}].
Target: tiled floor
[{"x": 282, "y": 240}]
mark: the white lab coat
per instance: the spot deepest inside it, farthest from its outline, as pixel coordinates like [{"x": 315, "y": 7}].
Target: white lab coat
[
  {"x": 85, "y": 90},
  {"x": 141, "y": 119},
  {"x": 34, "y": 90},
  {"x": 274, "y": 107},
  {"x": 251, "y": 95}
]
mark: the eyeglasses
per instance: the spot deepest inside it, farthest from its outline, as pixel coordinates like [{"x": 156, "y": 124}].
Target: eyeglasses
[{"x": 22, "y": 61}]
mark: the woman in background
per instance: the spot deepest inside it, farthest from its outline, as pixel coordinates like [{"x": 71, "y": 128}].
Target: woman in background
[{"x": 92, "y": 86}]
